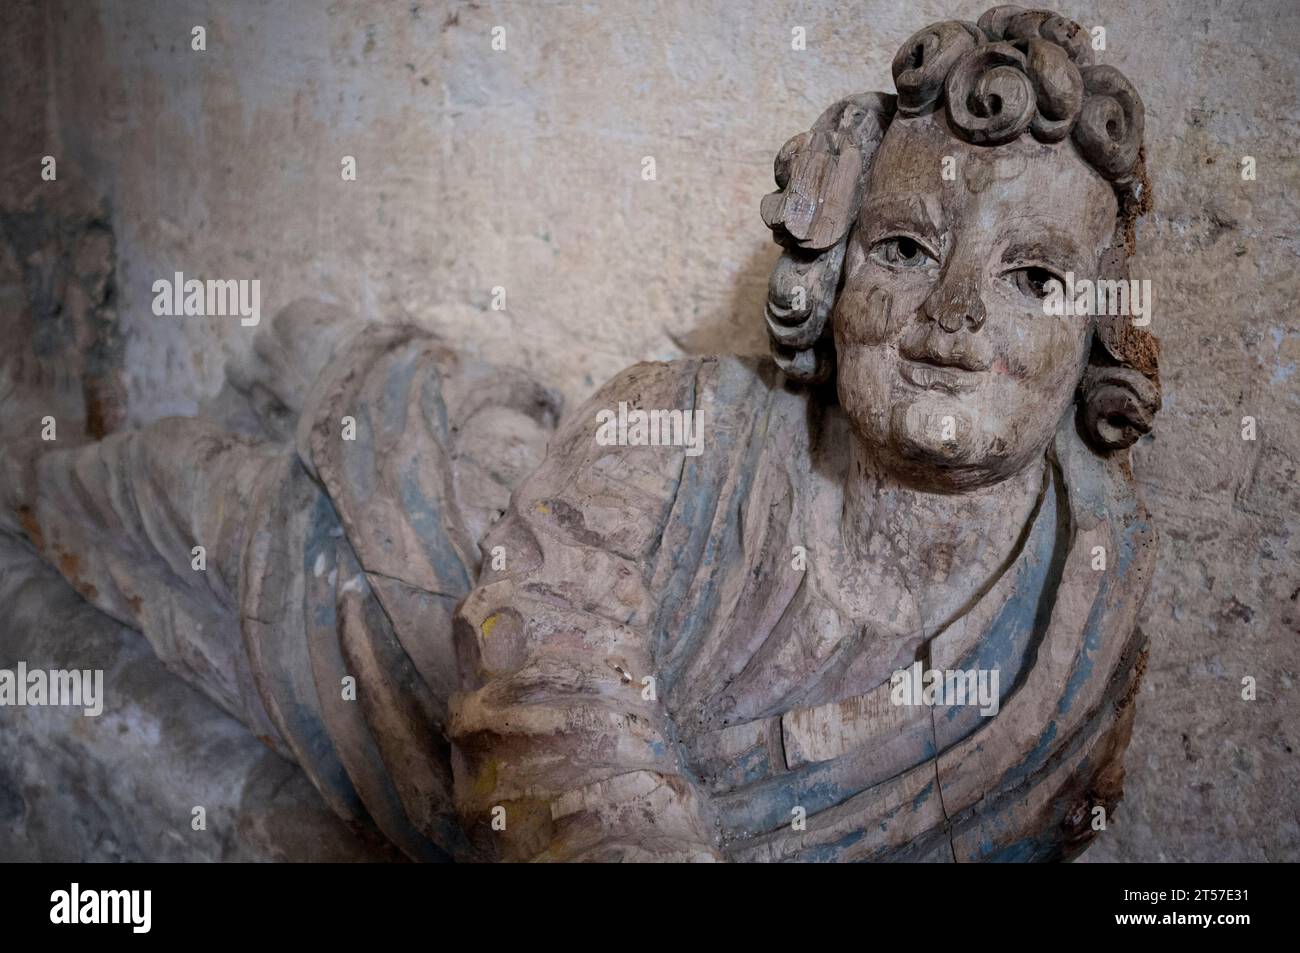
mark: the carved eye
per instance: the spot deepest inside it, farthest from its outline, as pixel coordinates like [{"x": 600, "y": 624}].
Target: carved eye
[
  {"x": 1032, "y": 282},
  {"x": 899, "y": 251}
]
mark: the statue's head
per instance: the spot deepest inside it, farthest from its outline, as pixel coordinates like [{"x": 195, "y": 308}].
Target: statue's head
[{"x": 923, "y": 232}]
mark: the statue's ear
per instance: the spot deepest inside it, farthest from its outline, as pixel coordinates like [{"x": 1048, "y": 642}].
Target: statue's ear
[
  {"x": 820, "y": 177},
  {"x": 1119, "y": 394}
]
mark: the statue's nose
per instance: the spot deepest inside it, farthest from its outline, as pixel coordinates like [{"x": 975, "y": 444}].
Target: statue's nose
[{"x": 956, "y": 303}]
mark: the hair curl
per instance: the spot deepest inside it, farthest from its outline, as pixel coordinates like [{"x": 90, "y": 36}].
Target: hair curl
[{"x": 1015, "y": 71}]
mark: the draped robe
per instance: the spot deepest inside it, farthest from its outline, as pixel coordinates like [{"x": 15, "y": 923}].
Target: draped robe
[
  {"x": 635, "y": 561},
  {"x": 635, "y": 670}
]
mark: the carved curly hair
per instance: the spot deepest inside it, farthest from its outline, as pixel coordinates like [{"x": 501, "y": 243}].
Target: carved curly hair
[{"x": 1014, "y": 71}]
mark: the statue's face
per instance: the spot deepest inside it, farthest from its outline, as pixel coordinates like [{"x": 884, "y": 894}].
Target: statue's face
[{"x": 948, "y": 368}]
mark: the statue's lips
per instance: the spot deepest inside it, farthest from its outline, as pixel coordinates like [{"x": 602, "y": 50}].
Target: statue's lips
[{"x": 949, "y": 379}]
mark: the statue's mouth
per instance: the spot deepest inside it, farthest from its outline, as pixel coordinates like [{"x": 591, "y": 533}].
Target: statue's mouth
[{"x": 951, "y": 380}]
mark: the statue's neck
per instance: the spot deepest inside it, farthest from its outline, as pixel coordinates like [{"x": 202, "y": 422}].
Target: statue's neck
[{"x": 944, "y": 547}]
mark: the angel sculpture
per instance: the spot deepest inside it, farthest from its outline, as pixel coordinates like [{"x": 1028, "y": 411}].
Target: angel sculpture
[{"x": 564, "y": 648}]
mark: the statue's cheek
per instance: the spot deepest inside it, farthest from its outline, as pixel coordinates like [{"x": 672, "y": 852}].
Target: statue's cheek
[
  {"x": 1041, "y": 351},
  {"x": 864, "y": 316}
]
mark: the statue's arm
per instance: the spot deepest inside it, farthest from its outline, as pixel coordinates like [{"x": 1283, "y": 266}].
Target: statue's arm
[
  {"x": 150, "y": 524},
  {"x": 562, "y": 749}
]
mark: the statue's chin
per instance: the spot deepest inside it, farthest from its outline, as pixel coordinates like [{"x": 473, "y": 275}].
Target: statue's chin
[{"x": 936, "y": 443}]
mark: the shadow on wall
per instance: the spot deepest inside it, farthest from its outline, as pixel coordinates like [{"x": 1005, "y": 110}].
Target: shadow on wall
[{"x": 736, "y": 328}]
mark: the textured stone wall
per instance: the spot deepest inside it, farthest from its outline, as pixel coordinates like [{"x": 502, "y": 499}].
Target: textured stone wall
[{"x": 522, "y": 169}]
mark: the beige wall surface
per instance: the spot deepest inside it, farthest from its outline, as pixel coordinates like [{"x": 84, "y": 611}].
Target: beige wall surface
[{"x": 522, "y": 169}]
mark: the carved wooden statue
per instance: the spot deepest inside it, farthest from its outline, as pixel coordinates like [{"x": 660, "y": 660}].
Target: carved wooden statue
[{"x": 633, "y": 652}]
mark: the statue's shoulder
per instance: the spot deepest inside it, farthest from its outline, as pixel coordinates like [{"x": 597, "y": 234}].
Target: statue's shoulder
[{"x": 616, "y": 465}]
